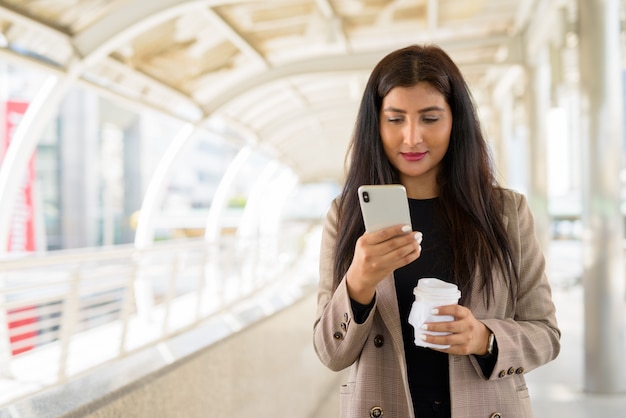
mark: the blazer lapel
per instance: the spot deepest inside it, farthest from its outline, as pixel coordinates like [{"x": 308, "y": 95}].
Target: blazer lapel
[{"x": 387, "y": 306}]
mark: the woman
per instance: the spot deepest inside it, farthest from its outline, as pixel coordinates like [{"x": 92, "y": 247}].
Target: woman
[{"x": 417, "y": 126}]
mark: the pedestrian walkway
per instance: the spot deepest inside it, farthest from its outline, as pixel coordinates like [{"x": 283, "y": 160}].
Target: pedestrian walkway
[{"x": 557, "y": 389}]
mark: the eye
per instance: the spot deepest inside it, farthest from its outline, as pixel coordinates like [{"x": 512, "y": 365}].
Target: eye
[
  {"x": 395, "y": 119},
  {"x": 430, "y": 119}
]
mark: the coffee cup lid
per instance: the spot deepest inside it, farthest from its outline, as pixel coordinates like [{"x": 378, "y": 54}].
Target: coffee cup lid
[{"x": 431, "y": 284}]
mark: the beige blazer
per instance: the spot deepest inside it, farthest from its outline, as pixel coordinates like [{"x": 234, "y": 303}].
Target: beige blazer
[{"x": 526, "y": 333}]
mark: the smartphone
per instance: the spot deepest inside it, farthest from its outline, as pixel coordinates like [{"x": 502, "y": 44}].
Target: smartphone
[{"x": 383, "y": 206}]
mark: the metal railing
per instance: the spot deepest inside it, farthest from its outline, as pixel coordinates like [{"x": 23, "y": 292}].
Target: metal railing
[{"x": 65, "y": 313}]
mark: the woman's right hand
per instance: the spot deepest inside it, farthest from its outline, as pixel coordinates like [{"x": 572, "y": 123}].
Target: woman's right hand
[{"x": 376, "y": 255}]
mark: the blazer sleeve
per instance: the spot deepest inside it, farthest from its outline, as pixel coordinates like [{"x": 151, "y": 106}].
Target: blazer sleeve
[
  {"x": 529, "y": 337},
  {"x": 338, "y": 338}
]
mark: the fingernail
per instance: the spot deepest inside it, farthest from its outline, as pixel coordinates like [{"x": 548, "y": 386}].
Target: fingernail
[
  {"x": 420, "y": 248},
  {"x": 424, "y": 327},
  {"x": 434, "y": 311},
  {"x": 418, "y": 237},
  {"x": 423, "y": 337},
  {"x": 406, "y": 228}
]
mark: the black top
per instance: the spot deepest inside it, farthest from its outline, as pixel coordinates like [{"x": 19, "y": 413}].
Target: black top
[{"x": 427, "y": 369}]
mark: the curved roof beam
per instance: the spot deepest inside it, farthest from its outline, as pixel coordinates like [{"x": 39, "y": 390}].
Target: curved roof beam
[
  {"x": 333, "y": 63},
  {"x": 136, "y": 16},
  {"x": 234, "y": 36},
  {"x": 131, "y": 19},
  {"x": 39, "y": 112},
  {"x": 338, "y": 110},
  {"x": 329, "y": 13},
  {"x": 433, "y": 14},
  {"x": 144, "y": 235},
  {"x": 363, "y": 61}
]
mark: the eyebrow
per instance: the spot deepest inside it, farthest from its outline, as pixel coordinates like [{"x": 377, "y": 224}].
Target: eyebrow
[{"x": 424, "y": 110}]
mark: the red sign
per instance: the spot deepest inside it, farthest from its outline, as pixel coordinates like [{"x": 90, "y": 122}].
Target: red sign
[
  {"x": 22, "y": 236},
  {"x": 23, "y": 329}
]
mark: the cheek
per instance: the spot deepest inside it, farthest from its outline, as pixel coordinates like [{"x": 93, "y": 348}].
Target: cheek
[
  {"x": 385, "y": 138},
  {"x": 443, "y": 137},
  {"x": 390, "y": 137},
  {"x": 388, "y": 148}
]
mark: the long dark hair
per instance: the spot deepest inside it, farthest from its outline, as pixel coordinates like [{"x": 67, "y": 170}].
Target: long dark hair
[{"x": 469, "y": 197}]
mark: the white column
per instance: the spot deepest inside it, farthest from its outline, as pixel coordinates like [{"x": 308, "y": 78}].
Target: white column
[
  {"x": 603, "y": 241},
  {"x": 505, "y": 133},
  {"x": 503, "y": 103},
  {"x": 538, "y": 108}
]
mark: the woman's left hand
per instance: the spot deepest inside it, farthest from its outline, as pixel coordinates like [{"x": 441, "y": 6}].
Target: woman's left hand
[{"x": 468, "y": 334}]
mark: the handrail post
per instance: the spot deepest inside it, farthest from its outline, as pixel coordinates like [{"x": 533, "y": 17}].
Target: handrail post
[
  {"x": 170, "y": 293},
  {"x": 142, "y": 287},
  {"x": 212, "y": 277},
  {"x": 69, "y": 319},
  {"x": 201, "y": 283},
  {"x": 129, "y": 298}
]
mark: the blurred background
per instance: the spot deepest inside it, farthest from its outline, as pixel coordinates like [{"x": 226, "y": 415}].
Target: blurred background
[{"x": 165, "y": 168}]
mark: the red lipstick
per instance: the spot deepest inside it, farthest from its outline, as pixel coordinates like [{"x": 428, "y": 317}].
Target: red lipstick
[{"x": 413, "y": 156}]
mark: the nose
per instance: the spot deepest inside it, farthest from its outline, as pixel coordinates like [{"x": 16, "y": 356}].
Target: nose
[{"x": 412, "y": 133}]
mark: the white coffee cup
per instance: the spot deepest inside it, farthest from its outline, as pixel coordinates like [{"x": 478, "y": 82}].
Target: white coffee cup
[{"x": 431, "y": 293}]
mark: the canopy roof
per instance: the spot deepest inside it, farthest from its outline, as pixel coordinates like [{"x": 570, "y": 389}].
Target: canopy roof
[{"x": 288, "y": 74}]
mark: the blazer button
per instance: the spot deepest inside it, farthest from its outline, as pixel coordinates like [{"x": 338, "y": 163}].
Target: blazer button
[
  {"x": 502, "y": 373},
  {"x": 379, "y": 341},
  {"x": 496, "y": 415},
  {"x": 376, "y": 412},
  {"x": 338, "y": 335},
  {"x": 511, "y": 370},
  {"x": 519, "y": 370}
]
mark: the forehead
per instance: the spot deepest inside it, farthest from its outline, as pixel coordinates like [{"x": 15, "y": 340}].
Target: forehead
[{"x": 416, "y": 95}]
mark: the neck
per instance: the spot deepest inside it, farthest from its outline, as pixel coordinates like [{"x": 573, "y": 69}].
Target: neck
[{"x": 417, "y": 188}]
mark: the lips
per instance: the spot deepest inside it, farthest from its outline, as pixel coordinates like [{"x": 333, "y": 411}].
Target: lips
[{"x": 413, "y": 156}]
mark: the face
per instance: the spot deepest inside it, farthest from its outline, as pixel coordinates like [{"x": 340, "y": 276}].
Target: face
[{"x": 415, "y": 125}]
